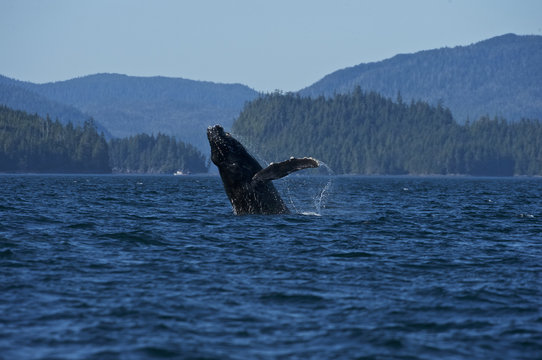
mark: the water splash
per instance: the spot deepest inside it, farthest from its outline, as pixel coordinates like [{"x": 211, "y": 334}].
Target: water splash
[
  {"x": 308, "y": 191},
  {"x": 321, "y": 200}
]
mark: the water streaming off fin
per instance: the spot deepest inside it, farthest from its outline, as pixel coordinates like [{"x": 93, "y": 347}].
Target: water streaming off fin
[{"x": 307, "y": 192}]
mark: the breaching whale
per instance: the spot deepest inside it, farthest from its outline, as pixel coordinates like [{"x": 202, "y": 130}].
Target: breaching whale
[{"x": 247, "y": 184}]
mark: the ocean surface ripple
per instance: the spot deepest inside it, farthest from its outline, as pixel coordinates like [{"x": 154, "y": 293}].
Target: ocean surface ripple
[{"x": 150, "y": 267}]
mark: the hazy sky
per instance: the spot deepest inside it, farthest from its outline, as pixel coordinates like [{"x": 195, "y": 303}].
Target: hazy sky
[{"x": 267, "y": 45}]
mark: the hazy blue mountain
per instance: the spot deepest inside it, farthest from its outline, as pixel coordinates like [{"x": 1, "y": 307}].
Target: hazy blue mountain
[
  {"x": 128, "y": 105},
  {"x": 17, "y": 95},
  {"x": 501, "y": 76}
]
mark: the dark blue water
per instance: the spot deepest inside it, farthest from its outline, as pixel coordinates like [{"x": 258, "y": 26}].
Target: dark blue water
[{"x": 125, "y": 267}]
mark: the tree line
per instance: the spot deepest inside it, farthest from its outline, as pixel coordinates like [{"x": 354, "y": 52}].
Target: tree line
[
  {"x": 367, "y": 133},
  {"x": 29, "y": 143},
  {"x": 155, "y": 154}
]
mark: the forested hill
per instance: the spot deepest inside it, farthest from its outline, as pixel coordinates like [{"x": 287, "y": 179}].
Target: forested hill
[
  {"x": 366, "y": 133},
  {"x": 128, "y": 105},
  {"x": 29, "y": 143},
  {"x": 501, "y": 76},
  {"x": 161, "y": 154}
]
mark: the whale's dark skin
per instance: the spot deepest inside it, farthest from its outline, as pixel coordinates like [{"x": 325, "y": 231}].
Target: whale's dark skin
[{"x": 247, "y": 184}]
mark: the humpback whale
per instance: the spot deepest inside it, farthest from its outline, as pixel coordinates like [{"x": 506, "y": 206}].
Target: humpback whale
[{"x": 247, "y": 184}]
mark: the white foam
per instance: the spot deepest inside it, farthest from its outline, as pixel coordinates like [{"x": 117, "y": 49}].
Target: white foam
[{"x": 310, "y": 213}]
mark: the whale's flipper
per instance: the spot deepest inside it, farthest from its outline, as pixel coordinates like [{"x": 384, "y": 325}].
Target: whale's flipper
[{"x": 279, "y": 170}]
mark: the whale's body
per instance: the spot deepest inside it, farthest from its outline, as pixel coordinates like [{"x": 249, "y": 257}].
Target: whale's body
[{"x": 247, "y": 184}]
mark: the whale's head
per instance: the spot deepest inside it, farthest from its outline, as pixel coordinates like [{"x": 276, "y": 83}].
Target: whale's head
[
  {"x": 229, "y": 155},
  {"x": 224, "y": 148}
]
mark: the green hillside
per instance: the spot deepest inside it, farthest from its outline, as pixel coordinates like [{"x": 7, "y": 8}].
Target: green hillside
[
  {"x": 29, "y": 143},
  {"x": 159, "y": 154},
  {"x": 366, "y": 133}
]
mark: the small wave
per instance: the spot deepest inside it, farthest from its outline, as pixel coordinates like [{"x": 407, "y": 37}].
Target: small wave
[
  {"x": 292, "y": 298},
  {"x": 6, "y": 254},
  {"x": 310, "y": 213},
  {"x": 7, "y": 208},
  {"x": 83, "y": 225},
  {"x": 158, "y": 352},
  {"x": 136, "y": 237},
  {"x": 353, "y": 254}
]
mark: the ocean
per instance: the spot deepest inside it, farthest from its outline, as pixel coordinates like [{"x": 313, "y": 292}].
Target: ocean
[{"x": 152, "y": 267}]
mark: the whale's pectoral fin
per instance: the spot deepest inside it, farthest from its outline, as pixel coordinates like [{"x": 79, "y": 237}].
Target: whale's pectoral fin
[{"x": 279, "y": 170}]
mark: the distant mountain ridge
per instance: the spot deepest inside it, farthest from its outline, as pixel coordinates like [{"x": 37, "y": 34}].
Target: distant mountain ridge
[
  {"x": 18, "y": 95},
  {"x": 128, "y": 105},
  {"x": 501, "y": 76}
]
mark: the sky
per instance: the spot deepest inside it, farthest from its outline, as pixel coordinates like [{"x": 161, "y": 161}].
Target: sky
[{"x": 268, "y": 45}]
